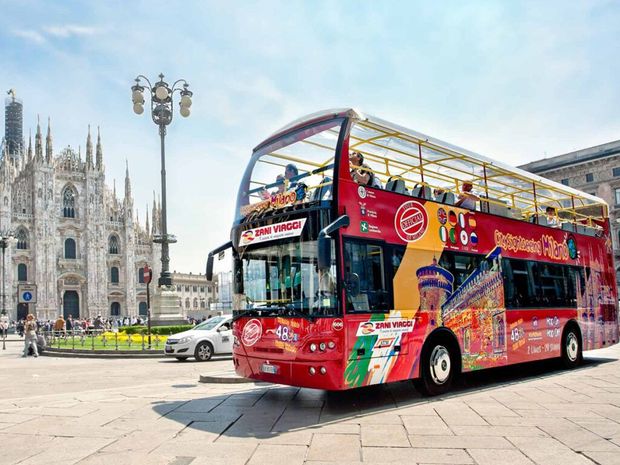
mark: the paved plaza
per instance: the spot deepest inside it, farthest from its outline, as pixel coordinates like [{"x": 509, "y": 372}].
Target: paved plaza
[{"x": 153, "y": 411}]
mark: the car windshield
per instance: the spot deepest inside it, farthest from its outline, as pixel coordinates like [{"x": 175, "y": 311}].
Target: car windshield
[
  {"x": 295, "y": 169},
  {"x": 210, "y": 323},
  {"x": 284, "y": 278}
]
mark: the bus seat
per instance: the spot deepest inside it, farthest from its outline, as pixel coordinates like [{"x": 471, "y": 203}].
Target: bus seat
[
  {"x": 421, "y": 191},
  {"x": 567, "y": 226},
  {"x": 448, "y": 198},
  {"x": 542, "y": 220},
  {"x": 324, "y": 192},
  {"x": 590, "y": 231},
  {"x": 396, "y": 185},
  {"x": 581, "y": 229}
]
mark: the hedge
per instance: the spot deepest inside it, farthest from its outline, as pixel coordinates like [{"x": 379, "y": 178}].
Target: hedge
[{"x": 162, "y": 330}]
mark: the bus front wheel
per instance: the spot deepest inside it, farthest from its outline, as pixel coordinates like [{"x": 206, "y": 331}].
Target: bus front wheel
[
  {"x": 572, "y": 354},
  {"x": 437, "y": 367}
]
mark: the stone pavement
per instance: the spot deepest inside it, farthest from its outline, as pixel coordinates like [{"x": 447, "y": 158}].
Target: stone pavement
[{"x": 65, "y": 411}]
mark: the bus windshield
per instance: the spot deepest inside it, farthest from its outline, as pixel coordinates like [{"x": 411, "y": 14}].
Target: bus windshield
[
  {"x": 284, "y": 278},
  {"x": 293, "y": 170}
]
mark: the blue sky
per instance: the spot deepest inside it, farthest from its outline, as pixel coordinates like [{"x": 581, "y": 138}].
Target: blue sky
[{"x": 511, "y": 80}]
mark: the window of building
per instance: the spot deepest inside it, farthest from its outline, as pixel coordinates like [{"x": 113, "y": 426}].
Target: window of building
[
  {"x": 616, "y": 171},
  {"x": 22, "y": 272},
  {"x": 202, "y": 289},
  {"x": 114, "y": 247},
  {"x": 365, "y": 279},
  {"x": 564, "y": 181},
  {"x": 68, "y": 202},
  {"x": 114, "y": 275},
  {"x": 115, "y": 309},
  {"x": 202, "y": 303},
  {"x": 589, "y": 177},
  {"x": 186, "y": 288},
  {"x": 141, "y": 275},
  {"x": 22, "y": 239},
  {"x": 195, "y": 288},
  {"x": 617, "y": 196},
  {"x": 142, "y": 309},
  {"x": 70, "y": 248},
  {"x": 195, "y": 303},
  {"x": 187, "y": 302}
]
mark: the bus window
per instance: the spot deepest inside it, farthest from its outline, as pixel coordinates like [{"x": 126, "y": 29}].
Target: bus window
[
  {"x": 365, "y": 281},
  {"x": 518, "y": 290},
  {"x": 460, "y": 265}
]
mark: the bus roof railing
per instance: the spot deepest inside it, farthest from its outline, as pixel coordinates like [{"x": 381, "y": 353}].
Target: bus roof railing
[{"x": 394, "y": 151}]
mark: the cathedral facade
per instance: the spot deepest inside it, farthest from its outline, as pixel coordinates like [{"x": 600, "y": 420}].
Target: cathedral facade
[{"x": 73, "y": 238}]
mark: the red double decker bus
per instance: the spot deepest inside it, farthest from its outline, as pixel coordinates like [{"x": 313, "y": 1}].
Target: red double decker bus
[{"x": 366, "y": 253}]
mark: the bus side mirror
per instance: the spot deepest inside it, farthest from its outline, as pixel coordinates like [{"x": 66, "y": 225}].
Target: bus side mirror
[
  {"x": 324, "y": 252},
  {"x": 209, "y": 272},
  {"x": 220, "y": 249},
  {"x": 324, "y": 243}
]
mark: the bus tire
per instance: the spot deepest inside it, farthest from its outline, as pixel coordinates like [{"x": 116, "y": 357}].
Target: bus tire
[
  {"x": 572, "y": 347},
  {"x": 438, "y": 366},
  {"x": 203, "y": 352}
]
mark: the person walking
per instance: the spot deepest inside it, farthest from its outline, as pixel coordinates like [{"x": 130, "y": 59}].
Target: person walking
[{"x": 30, "y": 336}]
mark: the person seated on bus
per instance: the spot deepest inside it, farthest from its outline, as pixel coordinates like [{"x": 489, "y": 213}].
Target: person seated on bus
[
  {"x": 467, "y": 199},
  {"x": 266, "y": 195},
  {"x": 439, "y": 194},
  {"x": 291, "y": 171},
  {"x": 361, "y": 173},
  {"x": 552, "y": 217}
]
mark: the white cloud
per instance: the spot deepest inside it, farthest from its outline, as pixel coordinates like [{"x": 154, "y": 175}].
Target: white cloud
[
  {"x": 69, "y": 30},
  {"x": 30, "y": 35}
]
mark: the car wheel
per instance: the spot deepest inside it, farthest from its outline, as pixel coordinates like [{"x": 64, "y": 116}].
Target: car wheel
[
  {"x": 204, "y": 351},
  {"x": 572, "y": 354},
  {"x": 181, "y": 359},
  {"x": 437, "y": 367}
]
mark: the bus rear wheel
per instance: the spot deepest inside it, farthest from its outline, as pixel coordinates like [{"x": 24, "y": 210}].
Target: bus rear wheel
[
  {"x": 437, "y": 368},
  {"x": 572, "y": 351}
]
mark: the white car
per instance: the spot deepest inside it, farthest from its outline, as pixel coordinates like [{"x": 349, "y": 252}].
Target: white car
[{"x": 213, "y": 336}]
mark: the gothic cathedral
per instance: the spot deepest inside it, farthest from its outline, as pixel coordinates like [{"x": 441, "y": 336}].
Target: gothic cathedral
[{"x": 74, "y": 239}]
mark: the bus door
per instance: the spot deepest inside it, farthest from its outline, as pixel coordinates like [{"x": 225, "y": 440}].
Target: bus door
[{"x": 371, "y": 333}]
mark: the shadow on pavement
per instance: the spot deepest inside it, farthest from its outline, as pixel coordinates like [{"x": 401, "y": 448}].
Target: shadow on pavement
[{"x": 268, "y": 411}]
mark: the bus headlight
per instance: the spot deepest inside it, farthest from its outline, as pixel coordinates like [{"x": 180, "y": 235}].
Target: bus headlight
[
  {"x": 323, "y": 370},
  {"x": 322, "y": 346},
  {"x": 312, "y": 370},
  {"x": 331, "y": 344},
  {"x": 313, "y": 348}
]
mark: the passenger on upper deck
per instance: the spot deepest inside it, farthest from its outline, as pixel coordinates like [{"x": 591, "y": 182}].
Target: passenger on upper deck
[
  {"x": 467, "y": 199},
  {"x": 279, "y": 190},
  {"x": 552, "y": 217},
  {"x": 291, "y": 171},
  {"x": 361, "y": 173}
]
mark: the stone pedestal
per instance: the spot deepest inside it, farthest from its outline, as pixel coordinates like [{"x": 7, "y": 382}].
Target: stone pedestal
[{"x": 165, "y": 308}]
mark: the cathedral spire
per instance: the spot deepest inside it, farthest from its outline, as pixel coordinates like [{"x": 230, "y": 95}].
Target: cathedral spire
[
  {"x": 127, "y": 181},
  {"x": 114, "y": 189},
  {"x": 147, "y": 227},
  {"x": 38, "y": 142},
  {"x": 89, "y": 151},
  {"x": 29, "y": 146},
  {"x": 154, "y": 215},
  {"x": 99, "y": 151},
  {"x": 48, "y": 142}
]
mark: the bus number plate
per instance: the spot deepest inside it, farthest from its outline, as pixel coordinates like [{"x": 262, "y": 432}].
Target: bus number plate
[{"x": 271, "y": 369}]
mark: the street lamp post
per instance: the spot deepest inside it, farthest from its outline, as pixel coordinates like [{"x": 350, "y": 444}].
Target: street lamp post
[
  {"x": 162, "y": 110},
  {"x": 5, "y": 237}
]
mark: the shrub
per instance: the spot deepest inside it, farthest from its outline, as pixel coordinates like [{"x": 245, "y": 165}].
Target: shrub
[{"x": 161, "y": 330}]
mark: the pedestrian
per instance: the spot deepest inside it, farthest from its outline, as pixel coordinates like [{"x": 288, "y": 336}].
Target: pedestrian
[{"x": 30, "y": 336}]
